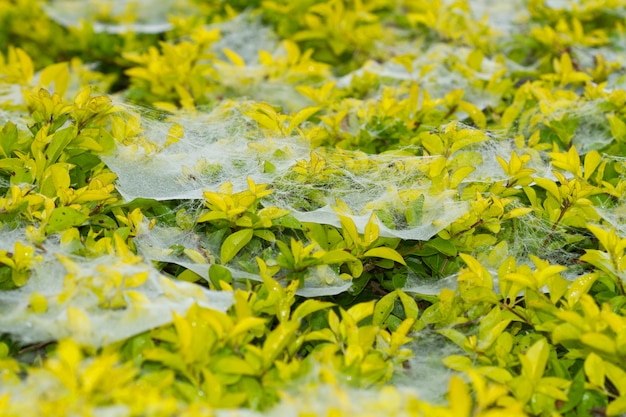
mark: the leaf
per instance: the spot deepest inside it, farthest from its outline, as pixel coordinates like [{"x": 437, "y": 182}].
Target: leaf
[
  {"x": 385, "y": 253},
  {"x": 459, "y": 397},
  {"x": 414, "y": 211},
  {"x": 457, "y": 362},
  {"x": 371, "y": 231},
  {"x": 211, "y": 216},
  {"x": 535, "y": 360},
  {"x": 361, "y": 311},
  {"x": 232, "y": 365},
  {"x": 594, "y": 369},
  {"x": 301, "y": 116},
  {"x": 59, "y": 142},
  {"x": 78, "y": 323},
  {"x": 411, "y": 310},
  {"x": 550, "y": 186},
  {"x": 579, "y": 287},
  {"x": 194, "y": 256},
  {"x": 8, "y": 139},
  {"x": 57, "y": 73},
  {"x": 63, "y": 218},
  {"x": 219, "y": 273},
  {"x": 188, "y": 276},
  {"x": 617, "y": 407},
  {"x": 234, "y": 243},
  {"x": 309, "y": 307},
  {"x": 234, "y": 57},
  {"x": 38, "y": 303},
  {"x": 443, "y": 246},
  {"x": 277, "y": 340},
  {"x": 337, "y": 256},
  {"x": 265, "y": 234},
  {"x": 174, "y": 135},
  {"x": 475, "y": 114},
  {"x": 350, "y": 233},
  {"x": 617, "y": 376},
  {"x": 599, "y": 342},
  {"x": 618, "y": 127},
  {"x": 254, "y": 325},
  {"x": 592, "y": 160},
  {"x": 384, "y": 307},
  {"x": 185, "y": 337},
  {"x": 574, "y": 393}
]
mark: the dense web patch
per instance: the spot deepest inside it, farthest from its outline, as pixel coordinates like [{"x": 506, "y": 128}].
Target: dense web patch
[
  {"x": 94, "y": 301},
  {"x": 117, "y": 17}
]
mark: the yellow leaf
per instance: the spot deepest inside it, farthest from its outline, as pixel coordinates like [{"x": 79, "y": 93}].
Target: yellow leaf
[
  {"x": 38, "y": 303},
  {"x": 82, "y": 97},
  {"x": 594, "y": 369},
  {"x": 592, "y": 160},
  {"x": 174, "y": 135},
  {"x": 617, "y": 407},
  {"x": 550, "y": 186},
  {"x": 78, "y": 323},
  {"x": 599, "y": 342},
  {"x": 385, "y": 253},
  {"x": 57, "y": 74},
  {"x": 234, "y": 57},
  {"x": 185, "y": 335},
  {"x": 474, "y": 113},
  {"x": 459, "y": 397},
  {"x": 371, "y": 230},
  {"x": 301, "y": 116}
]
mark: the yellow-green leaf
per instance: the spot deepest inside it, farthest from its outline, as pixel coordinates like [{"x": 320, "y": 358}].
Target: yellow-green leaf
[
  {"x": 385, "y": 253},
  {"x": 234, "y": 243}
]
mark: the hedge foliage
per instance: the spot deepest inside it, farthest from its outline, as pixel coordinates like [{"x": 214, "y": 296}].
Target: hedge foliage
[{"x": 266, "y": 206}]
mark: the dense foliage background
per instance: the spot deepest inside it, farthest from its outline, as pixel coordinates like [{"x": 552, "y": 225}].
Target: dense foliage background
[{"x": 317, "y": 207}]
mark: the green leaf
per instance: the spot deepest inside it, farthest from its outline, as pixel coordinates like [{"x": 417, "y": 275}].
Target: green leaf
[
  {"x": 288, "y": 221},
  {"x": 103, "y": 221},
  {"x": 59, "y": 142},
  {"x": 411, "y": 309},
  {"x": 443, "y": 246},
  {"x": 234, "y": 243},
  {"x": 415, "y": 211},
  {"x": 384, "y": 307},
  {"x": 219, "y": 273},
  {"x": 8, "y": 139},
  {"x": 574, "y": 393},
  {"x": 265, "y": 234},
  {"x": 63, "y": 218}
]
